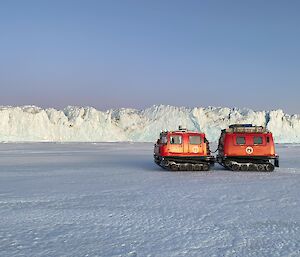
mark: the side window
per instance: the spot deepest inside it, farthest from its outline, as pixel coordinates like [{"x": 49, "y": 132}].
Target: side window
[
  {"x": 257, "y": 140},
  {"x": 195, "y": 140},
  {"x": 240, "y": 140},
  {"x": 163, "y": 140},
  {"x": 176, "y": 140},
  {"x": 268, "y": 139}
]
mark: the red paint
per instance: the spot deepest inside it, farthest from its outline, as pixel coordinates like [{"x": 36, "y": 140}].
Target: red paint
[
  {"x": 230, "y": 147},
  {"x": 164, "y": 147}
]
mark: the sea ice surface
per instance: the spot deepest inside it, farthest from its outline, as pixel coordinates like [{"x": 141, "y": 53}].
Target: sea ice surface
[{"x": 110, "y": 199}]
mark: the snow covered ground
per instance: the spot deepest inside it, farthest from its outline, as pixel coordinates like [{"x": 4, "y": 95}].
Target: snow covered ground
[{"x": 110, "y": 199}]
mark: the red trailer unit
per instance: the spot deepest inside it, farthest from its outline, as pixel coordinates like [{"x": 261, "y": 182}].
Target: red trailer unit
[
  {"x": 246, "y": 147},
  {"x": 183, "y": 150}
]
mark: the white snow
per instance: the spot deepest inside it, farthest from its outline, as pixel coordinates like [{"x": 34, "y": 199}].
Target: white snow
[
  {"x": 86, "y": 124},
  {"x": 110, "y": 199}
]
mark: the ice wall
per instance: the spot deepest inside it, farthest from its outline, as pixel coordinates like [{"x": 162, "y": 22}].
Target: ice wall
[{"x": 85, "y": 124}]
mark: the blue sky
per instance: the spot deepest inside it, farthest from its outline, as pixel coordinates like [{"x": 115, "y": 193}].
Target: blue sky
[{"x": 111, "y": 54}]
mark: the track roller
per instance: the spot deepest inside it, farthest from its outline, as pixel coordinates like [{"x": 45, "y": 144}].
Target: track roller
[
  {"x": 183, "y": 167},
  {"x": 174, "y": 167},
  {"x": 244, "y": 167},
  {"x": 269, "y": 167},
  {"x": 197, "y": 167},
  {"x": 228, "y": 163},
  {"x": 252, "y": 167},
  {"x": 189, "y": 166},
  {"x": 260, "y": 167},
  {"x": 205, "y": 167},
  {"x": 235, "y": 167}
]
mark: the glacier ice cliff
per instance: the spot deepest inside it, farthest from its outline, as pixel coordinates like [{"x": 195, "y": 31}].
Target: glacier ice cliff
[{"x": 86, "y": 124}]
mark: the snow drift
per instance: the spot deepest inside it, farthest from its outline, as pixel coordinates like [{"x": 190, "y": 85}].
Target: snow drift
[{"x": 86, "y": 124}]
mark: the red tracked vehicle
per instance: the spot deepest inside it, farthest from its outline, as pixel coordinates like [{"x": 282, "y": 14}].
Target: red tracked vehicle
[
  {"x": 183, "y": 150},
  {"x": 244, "y": 147}
]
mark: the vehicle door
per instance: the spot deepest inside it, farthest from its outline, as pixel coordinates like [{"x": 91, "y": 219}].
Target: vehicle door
[
  {"x": 195, "y": 144},
  {"x": 175, "y": 143}
]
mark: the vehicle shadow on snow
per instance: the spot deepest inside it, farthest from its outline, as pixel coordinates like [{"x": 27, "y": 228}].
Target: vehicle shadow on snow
[{"x": 151, "y": 166}]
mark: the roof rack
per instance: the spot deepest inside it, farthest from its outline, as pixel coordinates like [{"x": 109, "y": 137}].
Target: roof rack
[
  {"x": 241, "y": 125},
  {"x": 248, "y": 128}
]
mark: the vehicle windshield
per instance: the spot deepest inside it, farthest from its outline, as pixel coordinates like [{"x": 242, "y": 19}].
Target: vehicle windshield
[
  {"x": 195, "y": 140},
  {"x": 176, "y": 140},
  {"x": 257, "y": 140},
  {"x": 163, "y": 140},
  {"x": 240, "y": 140}
]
